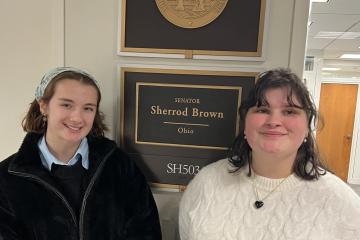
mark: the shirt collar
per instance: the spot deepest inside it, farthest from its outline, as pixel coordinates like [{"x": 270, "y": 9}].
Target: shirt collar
[{"x": 47, "y": 159}]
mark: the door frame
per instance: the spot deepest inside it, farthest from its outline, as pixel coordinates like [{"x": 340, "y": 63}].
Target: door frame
[{"x": 354, "y": 161}]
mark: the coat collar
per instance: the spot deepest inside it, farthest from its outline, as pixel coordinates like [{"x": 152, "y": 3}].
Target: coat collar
[{"x": 27, "y": 159}]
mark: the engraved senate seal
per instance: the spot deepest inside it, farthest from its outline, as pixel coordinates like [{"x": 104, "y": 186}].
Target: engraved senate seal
[{"x": 191, "y": 13}]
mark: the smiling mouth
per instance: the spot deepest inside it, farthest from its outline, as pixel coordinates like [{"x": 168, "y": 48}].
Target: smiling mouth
[
  {"x": 73, "y": 128},
  {"x": 275, "y": 134}
]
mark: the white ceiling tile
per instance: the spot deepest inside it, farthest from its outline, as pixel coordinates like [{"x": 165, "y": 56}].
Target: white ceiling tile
[
  {"x": 337, "y": 6},
  {"x": 335, "y": 16},
  {"x": 318, "y": 43},
  {"x": 356, "y": 28},
  {"x": 345, "y": 45},
  {"x": 331, "y": 23}
]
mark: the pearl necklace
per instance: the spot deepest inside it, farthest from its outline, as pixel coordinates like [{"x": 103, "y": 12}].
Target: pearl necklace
[{"x": 260, "y": 202}]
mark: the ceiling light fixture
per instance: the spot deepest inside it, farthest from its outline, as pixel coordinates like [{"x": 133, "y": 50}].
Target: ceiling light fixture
[
  {"x": 350, "y": 35},
  {"x": 330, "y": 35},
  {"x": 330, "y": 69},
  {"x": 350, "y": 56},
  {"x": 338, "y": 35},
  {"x": 326, "y": 73},
  {"x": 321, "y": 1}
]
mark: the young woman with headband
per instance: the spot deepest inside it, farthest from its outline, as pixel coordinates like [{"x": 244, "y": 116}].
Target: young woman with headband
[{"x": 68, "y": 181}]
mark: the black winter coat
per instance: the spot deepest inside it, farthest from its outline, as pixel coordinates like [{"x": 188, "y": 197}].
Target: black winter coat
[{"x": 117, "y": 203}]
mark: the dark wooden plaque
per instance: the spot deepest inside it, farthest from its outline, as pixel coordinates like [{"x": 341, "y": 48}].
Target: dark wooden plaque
[
  {"x": 237, "y": 31},
  {"x": 174, "y": 122}
]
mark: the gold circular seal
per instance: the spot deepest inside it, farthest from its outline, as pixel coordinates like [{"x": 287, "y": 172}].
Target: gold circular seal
[{"x": 191, "y": 13}]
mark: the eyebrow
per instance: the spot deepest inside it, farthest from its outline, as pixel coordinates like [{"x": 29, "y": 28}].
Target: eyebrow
[
  {"x": 295, "y": 106},
  {"x": 71, "y": 101},
  {"x": 286, "y": 106}
]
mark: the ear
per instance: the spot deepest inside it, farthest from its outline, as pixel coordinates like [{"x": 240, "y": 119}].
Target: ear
[
  {"x": 306, "y": 135},
  {"x": 43, "y": 107}
]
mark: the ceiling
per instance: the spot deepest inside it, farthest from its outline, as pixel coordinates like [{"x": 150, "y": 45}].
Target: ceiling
[{"x": 335, "y": 16}]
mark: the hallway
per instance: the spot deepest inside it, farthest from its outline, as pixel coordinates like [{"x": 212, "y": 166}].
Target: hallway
[{"x": 356, "y": 188}]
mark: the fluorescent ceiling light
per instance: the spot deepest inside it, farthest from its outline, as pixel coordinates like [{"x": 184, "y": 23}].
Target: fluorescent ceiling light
[
  {"x": 350, "y": 56},
  {"x": 330, "y": 35},
  {"x": 326, "y": 73},
  {"x": 350, "y": 35},
  {"x": 337, "y": 35},
  {"x": 330, "y": 69},
  {"x": 323, "y": 1}
]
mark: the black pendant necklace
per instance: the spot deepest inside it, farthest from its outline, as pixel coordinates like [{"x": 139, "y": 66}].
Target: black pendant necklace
[{"x": 260, "y": 202}]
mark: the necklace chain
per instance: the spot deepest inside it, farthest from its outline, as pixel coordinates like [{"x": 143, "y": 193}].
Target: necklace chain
[{"x": 260, "y": 202}]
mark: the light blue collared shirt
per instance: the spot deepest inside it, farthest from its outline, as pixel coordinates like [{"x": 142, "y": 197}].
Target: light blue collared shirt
[{"x": 47, "y": 159}]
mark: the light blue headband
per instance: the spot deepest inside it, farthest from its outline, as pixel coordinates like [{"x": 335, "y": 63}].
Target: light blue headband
[{"x": 46, "y": 79}]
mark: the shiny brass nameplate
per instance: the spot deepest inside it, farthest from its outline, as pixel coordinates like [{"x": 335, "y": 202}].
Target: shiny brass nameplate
[{"x": 191, "y": 13}]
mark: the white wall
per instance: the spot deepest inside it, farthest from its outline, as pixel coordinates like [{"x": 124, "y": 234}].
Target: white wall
[
  {"x": 35, "y": 41},
  {"x": 30, "y": 43}
]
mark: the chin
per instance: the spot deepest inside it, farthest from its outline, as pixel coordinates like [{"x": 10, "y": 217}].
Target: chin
[
  {"x": 274, "y": 150},
  {"x": 271, "y": 148},
  {"x": 74, "y": 138}
]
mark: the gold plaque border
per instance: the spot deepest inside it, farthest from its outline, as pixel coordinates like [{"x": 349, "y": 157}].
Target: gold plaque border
[
  {"x": 123, "y": 70},
  {"x": 239, "y": 89},
  {"x": 189, "y": 53},
  {"x": 180, "y": 188}
]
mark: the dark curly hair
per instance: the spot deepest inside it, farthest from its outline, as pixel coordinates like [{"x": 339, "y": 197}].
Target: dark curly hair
[
  {"x": 33, "y": 122},
  {"x": 307, "y": 164}
]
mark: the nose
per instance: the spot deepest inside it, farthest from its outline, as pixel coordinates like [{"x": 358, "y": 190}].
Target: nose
[
  {"x": 75, "y": 116},
  {"x": 273, "y": 120}
]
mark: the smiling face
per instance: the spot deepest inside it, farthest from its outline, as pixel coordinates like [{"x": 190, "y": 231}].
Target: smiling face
[
  {"x": 70, "y": 112},
  {"x": 277, "y": 128}
]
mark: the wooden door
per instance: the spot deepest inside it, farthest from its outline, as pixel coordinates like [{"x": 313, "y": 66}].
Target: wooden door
[{"x": 337, "y": 107}]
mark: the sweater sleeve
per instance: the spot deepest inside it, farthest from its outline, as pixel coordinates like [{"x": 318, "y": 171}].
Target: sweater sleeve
[
  {"x": 9, "y": 227},
  {"x": 348, "y": 221},
  {"x": 342, "y": 209},
  {"x": 190, "y": 202},
  {"x": 143, "y": 221}
]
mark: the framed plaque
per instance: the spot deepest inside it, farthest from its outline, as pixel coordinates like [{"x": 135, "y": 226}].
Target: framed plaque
[
  {"x": 192, "y": 27},
  {"x": 174, "y": 122}
]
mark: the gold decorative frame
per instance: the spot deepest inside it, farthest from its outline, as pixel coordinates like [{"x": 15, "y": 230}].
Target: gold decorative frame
[
  {"x": 189, "y": 53},
  {"x": 183, "y": 86}
]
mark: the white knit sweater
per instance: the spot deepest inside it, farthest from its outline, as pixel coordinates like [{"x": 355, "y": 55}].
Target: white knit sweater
[{"x": 218, "y": 205}]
